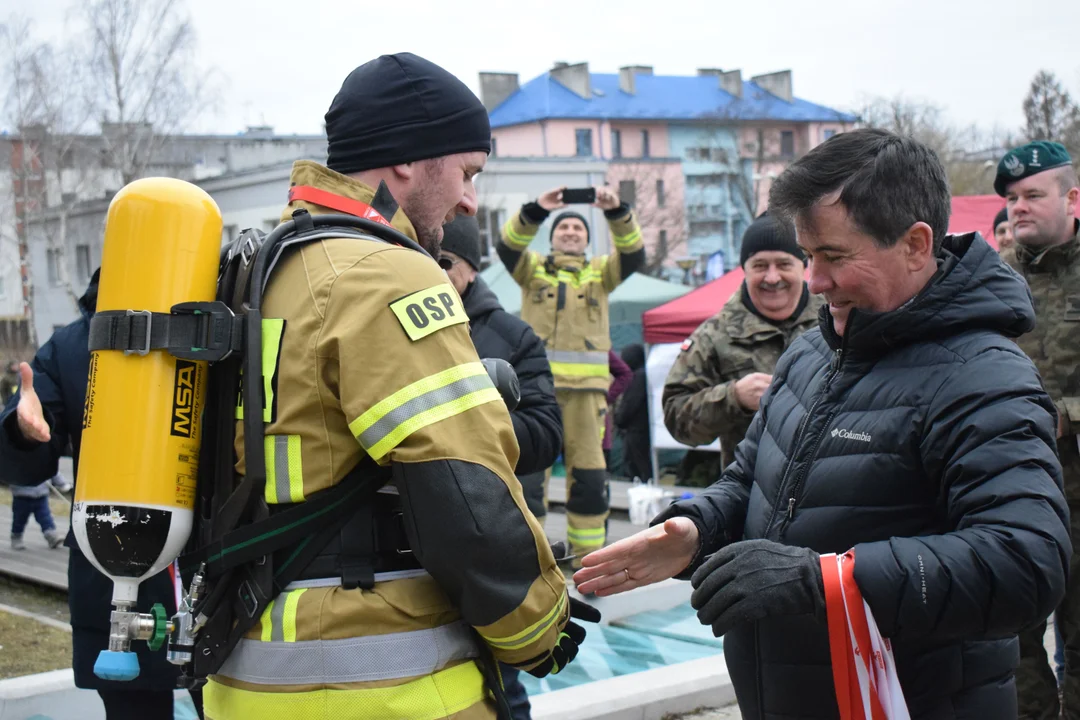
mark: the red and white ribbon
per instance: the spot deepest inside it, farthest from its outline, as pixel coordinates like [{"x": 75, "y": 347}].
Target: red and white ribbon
[{"x": 864, "y": 671}]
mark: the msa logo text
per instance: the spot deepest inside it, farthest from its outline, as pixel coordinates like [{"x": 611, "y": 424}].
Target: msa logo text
[
  {"x": 184, "y": 399},
  {"x": 848, "y": 435}
]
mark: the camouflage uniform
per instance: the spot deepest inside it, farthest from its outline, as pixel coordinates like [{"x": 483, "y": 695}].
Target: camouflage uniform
[
  {"x": 1054, "y": 346},
  {"x": 699, "y": 395}
]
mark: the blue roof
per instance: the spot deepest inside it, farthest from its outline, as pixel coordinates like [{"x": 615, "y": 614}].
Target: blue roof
[{"x": 657, "y": 97}]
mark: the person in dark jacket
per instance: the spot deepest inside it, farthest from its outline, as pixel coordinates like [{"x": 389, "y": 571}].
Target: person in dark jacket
[
  {"x": 50, "y": 405},
  {"x": 632, "y": 416},
  {"x": 621, "y": 375},
  {"x": 908, "y": 428},
  {"x": 537, "y": 419}
]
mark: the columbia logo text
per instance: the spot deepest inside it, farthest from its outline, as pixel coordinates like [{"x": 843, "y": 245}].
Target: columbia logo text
[{"x": 848, "y": 435}]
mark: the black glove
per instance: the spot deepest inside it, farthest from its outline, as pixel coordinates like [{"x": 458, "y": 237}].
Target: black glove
[
  {"x": 750, "y": 580},
  {"x": 570, "y": 638}
]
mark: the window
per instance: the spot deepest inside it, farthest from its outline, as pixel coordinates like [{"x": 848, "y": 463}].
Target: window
[
  {"x": 787, "y": 143},
  {"x": 628, "y": 192},
  {"x": 489, "y": 222},
  {"x": 583, "y": 137},
  {"x": 644, "y": 143},
  {"x": 828, "y": 133},
  {"x": 661, "y": 244},
  {"x": 719, "y": 155},
  {"x": 494, "y": 147},
  {"x": 82, "y": 262},
  {"x": 616, "y": 143},
  {"x": 691, "y": 153},
  {"x": 52, "y": 260},
  {"x": 661, "y": 198}
]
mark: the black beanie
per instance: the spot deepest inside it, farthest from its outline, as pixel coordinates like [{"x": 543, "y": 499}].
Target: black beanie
[
  {"x": 566, "y": 216},
  {"x": 768, "y": 233},
  {"x": 462, "y": 237},
  {"x": 402, "y": 108},
  {"x": 1002, "y": 216}
]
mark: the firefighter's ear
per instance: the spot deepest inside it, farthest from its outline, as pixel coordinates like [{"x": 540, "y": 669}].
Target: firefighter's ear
[{"x": 405, "y": 171}]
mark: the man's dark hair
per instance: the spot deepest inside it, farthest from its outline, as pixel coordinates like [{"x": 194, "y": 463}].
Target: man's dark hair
[{"x": 887, "y": 183}]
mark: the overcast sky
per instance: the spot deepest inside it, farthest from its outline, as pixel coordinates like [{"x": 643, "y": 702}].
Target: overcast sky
[{"x": 280, "y": 62}]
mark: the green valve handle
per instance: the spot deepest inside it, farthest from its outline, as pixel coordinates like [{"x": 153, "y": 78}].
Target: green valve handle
[{"x": 161, "y": 627}]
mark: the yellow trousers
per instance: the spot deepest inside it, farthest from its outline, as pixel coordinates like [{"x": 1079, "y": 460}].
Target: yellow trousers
[{"x": 583, "y": 414}]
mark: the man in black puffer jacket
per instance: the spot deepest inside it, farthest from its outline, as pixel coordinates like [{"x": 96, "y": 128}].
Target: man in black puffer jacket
[{"x": 909, "y": 428}]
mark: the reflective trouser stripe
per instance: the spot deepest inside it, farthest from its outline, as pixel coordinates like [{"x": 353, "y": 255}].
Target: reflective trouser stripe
[
  {"x": 284, "y": 470},
  {"x": 585, "y": 537},
  {"x": 428, "y": 698},
  {"x": 360, "y": 659},
  {"x": 579, "y": 370},
  {"x": 424, "y": 402},
  {"x": 279, "y": 618},
  {"x": 573, "y": 363},
  {"x": 529, "y": 634}
]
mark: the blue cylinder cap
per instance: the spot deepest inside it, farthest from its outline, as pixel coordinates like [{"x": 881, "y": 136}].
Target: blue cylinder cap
[
  {"x": 687, "y": 496},
  {"x": 120, "y": 666}
]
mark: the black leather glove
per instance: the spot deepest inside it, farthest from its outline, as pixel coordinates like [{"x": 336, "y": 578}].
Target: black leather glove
[
  {"x": 754, "y": 579},
  {"x": 570, "y": 638}
]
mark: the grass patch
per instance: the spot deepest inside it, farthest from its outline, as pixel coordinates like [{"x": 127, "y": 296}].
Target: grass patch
[
  {"x": 50, "y": 602},
  {"x": 30, "y": 647}
]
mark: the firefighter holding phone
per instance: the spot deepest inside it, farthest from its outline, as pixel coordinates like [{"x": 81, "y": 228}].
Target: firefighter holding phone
[{"x": 565, "y": 299}]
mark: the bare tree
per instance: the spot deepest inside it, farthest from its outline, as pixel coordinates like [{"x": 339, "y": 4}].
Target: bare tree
[
  {"x": 650, "y": 188},
  {"x": 1050, "y": 113},
  {"x": 141, "y": 55},
  {"x": 748, "y": 183},
  {"x": 969, "y": 154}
]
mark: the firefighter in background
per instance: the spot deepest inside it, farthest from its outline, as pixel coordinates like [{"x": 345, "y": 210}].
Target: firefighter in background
[
  {"x": 565, "y": 299},
  {"x": 367, "y": 357}
]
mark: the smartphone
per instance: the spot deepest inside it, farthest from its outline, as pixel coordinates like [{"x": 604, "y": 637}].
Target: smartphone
[{"x": 579, "y": 196}]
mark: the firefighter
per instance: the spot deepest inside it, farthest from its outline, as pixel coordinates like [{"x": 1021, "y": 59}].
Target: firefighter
[
  {"x": 367, "y": 359},
  {"x": 565, "y": 299}
]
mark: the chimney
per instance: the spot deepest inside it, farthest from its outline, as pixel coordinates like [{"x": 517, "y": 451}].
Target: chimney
[
  {"x": 731, "y": 82},
  {"x": 496, "y": 88},
  {"x": 709, "y": 72},
  {"x": 628, "y": 77},
  {"x": 574, "y": 78},
  {"x": 777, "y": 83}
]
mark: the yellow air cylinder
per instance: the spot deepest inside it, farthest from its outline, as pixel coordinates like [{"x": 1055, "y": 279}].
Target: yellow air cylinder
[{"x": 135, "y": 496}]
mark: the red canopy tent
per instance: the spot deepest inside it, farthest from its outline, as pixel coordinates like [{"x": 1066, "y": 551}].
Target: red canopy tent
[
  {"x": 674, "y": 321},
  {"x": 975, "y": 213}
]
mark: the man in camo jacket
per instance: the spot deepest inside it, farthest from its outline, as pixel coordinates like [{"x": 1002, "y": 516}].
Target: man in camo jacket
[{"x": 714, "y": 387}]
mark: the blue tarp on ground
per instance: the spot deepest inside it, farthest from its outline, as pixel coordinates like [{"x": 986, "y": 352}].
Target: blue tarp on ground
[{"x": 640, "y": 642}]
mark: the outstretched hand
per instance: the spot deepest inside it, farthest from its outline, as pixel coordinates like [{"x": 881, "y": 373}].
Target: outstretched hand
[
  {"x": 31, "y": 417},
  {"x": 647, "y": 557}
]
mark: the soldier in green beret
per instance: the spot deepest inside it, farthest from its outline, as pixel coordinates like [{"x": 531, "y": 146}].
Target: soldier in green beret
[{"x": 1040, "y": 187}]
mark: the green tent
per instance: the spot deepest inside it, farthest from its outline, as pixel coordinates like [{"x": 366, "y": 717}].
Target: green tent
[{"x": 636, "y": 295}]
